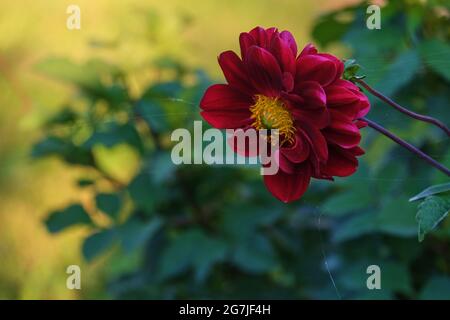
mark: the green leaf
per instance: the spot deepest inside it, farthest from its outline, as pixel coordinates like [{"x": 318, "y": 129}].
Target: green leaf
[
  {"x": 397, "y": 218},
  {"x": 210, "y": 251},
  {"x": 85, "y": 182},
  {"x": 109, "y": 203},
  {"x": 436, "y": 189},
  {"x": 143, "y": 192},
  {"x": 97, "y": 243},
  {"x": 356, "y": 226},
  {"x": 431, "y": 212},
  {"x": 50, "y": 145},
  {"x": 162, "y": 167},
  {"x": 65, "y": 70},
  {"x": 437, "y": 288},
  {"x": 400, "y": 72},
  {"x": 396, "y": 277},
  {"x": 351, "y": 69},
  {"x": 114, "y": 134},
  {"x": 153, "y": 113},
  {"x": 72, "y": 215},
  {"x": 255, "y": 255},
  {"x": 64, "y": 117},
  {"x": 135, "y": 233},
  {"x": 192, "y": 249},
  {"x": 436, "y": 54},
  {"x": 163, "y": 91},
  {"x": 346, "y": 202},
  {"x": 329, "y": 29},
  {"x": 87, "y": 77},
  {"x": 240, "y": 222},
  {"x": 55, "y": 146}
]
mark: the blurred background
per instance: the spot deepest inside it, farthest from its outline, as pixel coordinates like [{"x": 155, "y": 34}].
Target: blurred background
[{"x": 86, "y": 176}]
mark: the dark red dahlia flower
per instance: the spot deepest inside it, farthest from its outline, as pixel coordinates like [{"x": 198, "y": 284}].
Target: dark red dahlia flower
[{"x": 271, "y": 86}]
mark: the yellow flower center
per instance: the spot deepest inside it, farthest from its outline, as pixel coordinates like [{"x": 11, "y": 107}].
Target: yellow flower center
[{"x": 271, "y": 113}]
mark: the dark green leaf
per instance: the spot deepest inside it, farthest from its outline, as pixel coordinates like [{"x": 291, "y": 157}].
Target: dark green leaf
[
  {"x": 72, "y": 215},
  {"x": 397, "y": 218},
  {"x": 436, "y": 54},
  {"x": 84, "y": 182},
  {"x": 114, "y": 134},
  {"x": 346, "y": 202},
  {"x": 431, "y": 212},
  {"x": 437, "y": 288},
  {"x": 109, "y": 203},
  {"x": 135, "y": 233},
  {"x": 192, "y": 249},
  {"x": 329, "y": 29},
  {"x": 255, "y": 255},
  {"x": 55, "y": 146},
  {"x": 143, "y": 192},
  {"x": 65, "y": 117},
  {"x": 358, "y": 225},
  {"x": 97, "y": 243},
  {"x": 436, "y": 189},
  {"x": 400, "y": 72},
  {"x": 153, "y": 113}
]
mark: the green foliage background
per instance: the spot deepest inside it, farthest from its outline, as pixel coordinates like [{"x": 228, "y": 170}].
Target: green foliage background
[{"x": 153, "y": 230}]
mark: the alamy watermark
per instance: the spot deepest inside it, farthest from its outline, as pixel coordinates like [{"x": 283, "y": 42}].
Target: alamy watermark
[
  {"x": 374, "y": 280},
  {"x": 73, "y": 21},
  {"x": 73, "y": 281},
  {"x": 374, "y": 20},
  {"x": 251, "y": 146}
]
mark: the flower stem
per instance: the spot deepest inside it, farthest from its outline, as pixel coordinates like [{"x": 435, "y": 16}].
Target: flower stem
[
  {"x": 414, "y": 115},
  {"x": 407, "y": 145}
]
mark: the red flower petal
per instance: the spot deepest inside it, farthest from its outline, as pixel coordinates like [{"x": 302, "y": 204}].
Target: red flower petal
[
  {"x": 284, "y": 163},
  {"x": 341, "y": 162},
  {"x": 361, "y": 124},
  {"x": 317, "y": 116},
  {"x": 308, "y": 49},
  {"x": 316, "y": 68},
  {"x": 234, "y": 71},
  {"x": 225, "y": 107},
  {"x": 357, "y": 151},
  {"x": 338, "y": 63},
  {"x": 287, "y": 36},
  {"x": 341, "y": 131},
  {"x": 289, "y": 187},
  {"x": 245, "y": 41},
  {"x": 224, "y": 97},
  {"x": 364, "y": 105},
  {"x": 339, "y": 95},
  {"x": 312, "y": 92},
  {"x": 346, "y": 98},
  {"x": 271, "y": 33},
  {"x": 288, "y": 82},
  {"x": 264, "y": 71},
  {"x": 316, "y": 139},
  {"x": 231, "y": 119},
  {"x": 260, "y": 36},
  {"x": 298, "y": 152},
  {"x": 283, "y": 53}
]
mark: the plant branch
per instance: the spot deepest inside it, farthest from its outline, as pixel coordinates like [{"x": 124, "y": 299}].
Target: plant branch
[
  {"x": 407, "y": 145},
  {"x": 392, "y": 103}
]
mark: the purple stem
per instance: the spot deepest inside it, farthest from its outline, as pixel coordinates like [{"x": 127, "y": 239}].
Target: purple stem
[
  {"x": 407, "y": 145},
  {"x": 414, "y": 115}
]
